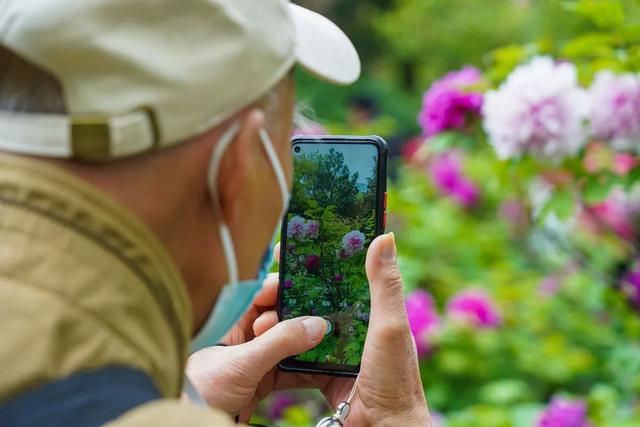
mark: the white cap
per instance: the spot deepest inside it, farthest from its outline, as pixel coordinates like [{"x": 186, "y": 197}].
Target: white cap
[{"x": 139, "y": 75}]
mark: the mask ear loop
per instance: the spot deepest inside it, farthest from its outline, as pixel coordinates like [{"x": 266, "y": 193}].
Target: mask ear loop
[
  {"x": 212, "y": 178},
  {"x": 277, "y": 167}
]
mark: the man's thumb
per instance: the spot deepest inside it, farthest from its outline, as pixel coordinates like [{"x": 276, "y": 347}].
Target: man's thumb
[
  {"x": 383, "y": 273},
  {"x": 288, "y": 338}
]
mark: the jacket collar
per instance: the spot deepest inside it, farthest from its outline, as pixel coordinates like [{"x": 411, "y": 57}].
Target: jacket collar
[{"x": 123, "y": 276}]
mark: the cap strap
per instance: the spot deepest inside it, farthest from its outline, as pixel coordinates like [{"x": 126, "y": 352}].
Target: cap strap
[{"x": 87, "y": 137}]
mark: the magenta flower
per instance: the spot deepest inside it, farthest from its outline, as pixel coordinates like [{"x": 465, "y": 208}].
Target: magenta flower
[
  {"x": 423, "y": 319},
  {"x": 563, "y": 412},
  {"x": 447, "y": 176},
  {"x": 450, "y": 101},
  {"x": 615, "y": 109},
  {"x": 623, "y": 163},
  {"x": 311, "y": 229},
  {"x": 353, "y": 242},
  {"x": 616, "y": 213},
  {"x": 338, "y": 278},
  {"x": 312, "y": 262},
  {"x": 631, "y": 285},
  {"x": 279, "y": 403},
  {"x": 288, "y": 284},
  {"x": 476, "y": 306},
  {"x": 295, "y": 228},
  {"x": 342, "y": 254}
]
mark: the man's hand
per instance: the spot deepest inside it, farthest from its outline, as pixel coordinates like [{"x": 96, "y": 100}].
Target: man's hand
[{"x": 390, "y": 392}]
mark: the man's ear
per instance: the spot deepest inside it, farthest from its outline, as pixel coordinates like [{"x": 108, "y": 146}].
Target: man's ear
[{"x": 237, "y": 163}]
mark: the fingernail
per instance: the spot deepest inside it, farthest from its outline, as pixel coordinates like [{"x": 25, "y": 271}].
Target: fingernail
[
  {"x": 388, "y": 251},
  {"x": 315, "y": 328}
]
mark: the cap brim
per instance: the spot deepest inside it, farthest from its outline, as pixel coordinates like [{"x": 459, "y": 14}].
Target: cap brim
[{"x": 323, "y": 49}]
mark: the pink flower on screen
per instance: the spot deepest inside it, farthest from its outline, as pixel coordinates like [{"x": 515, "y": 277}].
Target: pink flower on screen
[
  {"x": 353, "y": 242},
  {"x": 311, "y": 229},
  {"x": 295, "y": 228},
  {"x": 476, "y": 306},
  {"x": 338, "y": 278},
  {"x": 312, "y": 262},
  {"x": 423, "y": 319},
  {"x": 342, "y": 254},
  {"x": 288, "y": 284},
  {"x": 562, "y": 412},
  {"x": 446, "y": 174},
  {"x": 450, "y": 101}
]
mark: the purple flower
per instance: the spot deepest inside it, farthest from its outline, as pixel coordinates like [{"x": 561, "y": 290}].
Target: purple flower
[
  {"x": 295, "y": 228},
  {"x": 311, "y": 229},
  {"x": 450, "y": 100},
  {"x": 447, "y": 176},
  {"x": 615, "y": 109},
  {"x": 288, "y": 284},
  {"x": 631, "y": 285},
  {"x": 353, "y": 242},
  {"x": 563, "y": 412},
  {"x": 312, "y": 262},
  {"x": 338, "y": 278},
  {"x": 540, "y": 109},
  {"x": 279, "y": 403},
  {"x": 423, "y": 319},
  {"x": 476, "y": 306}
]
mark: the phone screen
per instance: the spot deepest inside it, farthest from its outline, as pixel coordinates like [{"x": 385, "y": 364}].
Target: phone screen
[{"x": 332, "y": 219}]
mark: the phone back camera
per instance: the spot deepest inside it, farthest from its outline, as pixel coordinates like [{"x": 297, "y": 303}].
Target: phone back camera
[{"x": 296, "y": 149}]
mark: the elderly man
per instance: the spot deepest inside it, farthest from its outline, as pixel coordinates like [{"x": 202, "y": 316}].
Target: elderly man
[{"x": 145, "y": 165}]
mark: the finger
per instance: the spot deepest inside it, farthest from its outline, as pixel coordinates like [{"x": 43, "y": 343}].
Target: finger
[
  {"x": 268, "y": 295},
  {"x": 266, "y": 321},
  {"x": 276, "y": 252},
  {"x": 288, "y": 338},
  {"x": 385, "y": 284}
]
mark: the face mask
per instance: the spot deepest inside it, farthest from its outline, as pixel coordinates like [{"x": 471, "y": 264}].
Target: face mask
[{"x": 236, "y": 296}]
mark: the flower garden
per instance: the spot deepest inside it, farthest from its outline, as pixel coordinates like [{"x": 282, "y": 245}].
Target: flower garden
[{"x": 516, "y": 208}]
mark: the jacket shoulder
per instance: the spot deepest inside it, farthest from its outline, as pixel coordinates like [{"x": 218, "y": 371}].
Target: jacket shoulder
[{"x": 172, "y": 412}]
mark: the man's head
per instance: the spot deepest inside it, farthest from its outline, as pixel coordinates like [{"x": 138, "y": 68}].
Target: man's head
[{"x": 133, "y": 97}]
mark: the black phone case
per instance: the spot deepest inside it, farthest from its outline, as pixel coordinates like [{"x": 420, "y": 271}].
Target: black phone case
[{"x": 381, "y": 218}]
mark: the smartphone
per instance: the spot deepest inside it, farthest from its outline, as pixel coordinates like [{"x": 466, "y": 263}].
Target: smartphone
[{"x": 338, "y": 207}]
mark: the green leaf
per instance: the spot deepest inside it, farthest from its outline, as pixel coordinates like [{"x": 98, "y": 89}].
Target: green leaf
[{"x": 603, "y": 13}]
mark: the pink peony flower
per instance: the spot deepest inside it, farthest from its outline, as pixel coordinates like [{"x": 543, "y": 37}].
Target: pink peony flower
[
  {"x": 295, "y": 228},
  {"x": 475, "y": 305},
  {"x": 288, "y": 284},
  {"x": 279, "y": 403},
  {"x": 423, "y": 319},
  {"x": 623, "y": 163},
  {"x": 539, "y": 110},
  {"x": 446, "y": 173},
  {"x": 615, "y": 109},
  {"x": 311, "y": 229},
  {"x": 450, "y": 100},
  {"x": 616, "y": 213},
  {"x": 312, "y": 262},
  {"x": 563, "y": 412},
  {"x": 353, "y": 242}
]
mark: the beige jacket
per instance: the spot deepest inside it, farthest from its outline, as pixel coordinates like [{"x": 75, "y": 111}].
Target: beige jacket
[{"x": 83, "y": 285}]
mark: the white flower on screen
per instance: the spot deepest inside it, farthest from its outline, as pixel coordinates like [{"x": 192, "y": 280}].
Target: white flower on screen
[
  {"x": 353, "y": 242},
  {"x": 295, "y": 228},
  {"x": 538, "y": 110},
  {"x": 615, "y": 109}
]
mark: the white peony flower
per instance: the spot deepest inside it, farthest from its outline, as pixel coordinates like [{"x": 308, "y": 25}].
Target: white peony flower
[
  {"x": 615, "y": 109},
  {"x": 538, "y": 110}
]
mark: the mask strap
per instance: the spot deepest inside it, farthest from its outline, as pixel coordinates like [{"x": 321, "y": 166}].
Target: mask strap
[
  {"x": 277, "y": 167},
  {"x": 212, "y": 178}
]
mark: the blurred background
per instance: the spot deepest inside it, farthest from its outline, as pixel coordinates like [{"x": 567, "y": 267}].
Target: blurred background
[{"x": 514, "y": 131}]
